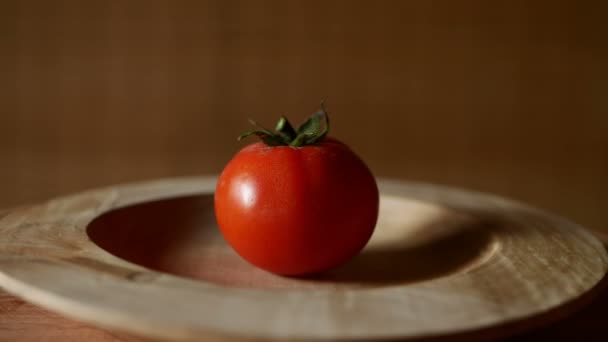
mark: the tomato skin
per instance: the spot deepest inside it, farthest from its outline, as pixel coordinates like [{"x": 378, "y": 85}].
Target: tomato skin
[{"x": 297, "y": 210}]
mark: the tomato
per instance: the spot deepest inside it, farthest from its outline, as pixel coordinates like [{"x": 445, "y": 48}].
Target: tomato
[{"x": 297, "y": 210}]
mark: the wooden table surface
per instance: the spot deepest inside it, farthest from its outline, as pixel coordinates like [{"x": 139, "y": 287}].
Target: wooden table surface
[{"x": 22, "y": 321}]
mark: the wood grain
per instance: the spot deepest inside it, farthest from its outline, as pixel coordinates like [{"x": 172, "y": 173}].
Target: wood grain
[
  {"x": 23, "y": 321},
  {"x": 542, "y": 262}
]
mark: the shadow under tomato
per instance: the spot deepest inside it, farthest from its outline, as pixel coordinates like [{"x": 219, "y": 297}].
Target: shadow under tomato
[
  {"x": 180, "y": 236},
  {"x": 465, "y": 246}
]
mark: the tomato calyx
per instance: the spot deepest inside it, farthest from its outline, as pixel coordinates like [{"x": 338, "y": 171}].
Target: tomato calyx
[{"x": 310, "y": 132}]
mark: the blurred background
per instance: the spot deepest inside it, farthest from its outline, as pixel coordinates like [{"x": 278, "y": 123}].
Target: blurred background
[{"x": 507, "y": 97}]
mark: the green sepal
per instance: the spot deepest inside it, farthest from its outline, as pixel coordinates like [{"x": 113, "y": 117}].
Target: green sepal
[
  {"x": 283, "y": 126},
  {"x": 312, "y": 131},
  {"x": 311, "y": 126},
  {"x": 275, "y": 137},
  {"x": 301, "y": 140},
  {"x": 321, "y": 114},
  {"x": 268, "y": 139}
]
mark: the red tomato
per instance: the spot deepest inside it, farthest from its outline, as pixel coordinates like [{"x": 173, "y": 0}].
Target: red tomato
[{"x": 297, "y": 210}]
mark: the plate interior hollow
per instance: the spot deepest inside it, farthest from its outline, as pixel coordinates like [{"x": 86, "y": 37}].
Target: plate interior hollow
[{"x": 413, "y": 241}]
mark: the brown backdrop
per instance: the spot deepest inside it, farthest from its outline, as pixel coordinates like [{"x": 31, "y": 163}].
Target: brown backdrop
[{"x": 502, "y": 96}]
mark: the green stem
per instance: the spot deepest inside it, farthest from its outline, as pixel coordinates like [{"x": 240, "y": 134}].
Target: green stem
[{"x": 312, "y": 131}]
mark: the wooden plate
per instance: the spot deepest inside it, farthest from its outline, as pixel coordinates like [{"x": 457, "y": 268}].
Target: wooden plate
[{"x": 147, "y": 259}]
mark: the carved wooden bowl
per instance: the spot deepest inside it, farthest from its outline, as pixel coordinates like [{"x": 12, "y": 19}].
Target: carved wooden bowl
[{"x": 147, "y": 259}]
